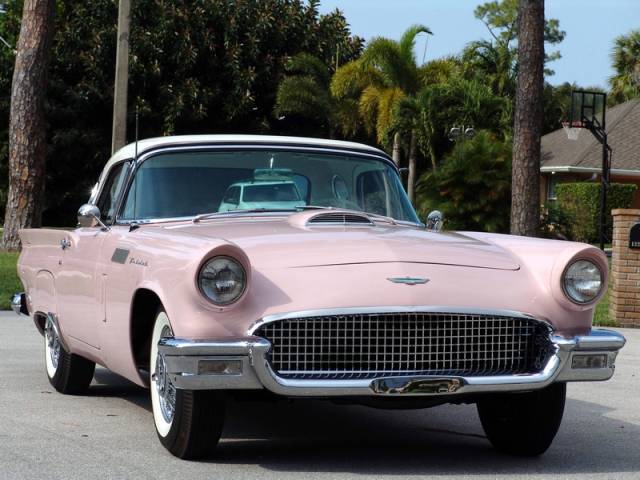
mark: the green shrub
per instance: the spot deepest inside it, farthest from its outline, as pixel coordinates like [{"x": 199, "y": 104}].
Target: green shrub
[
  {"x": 555, "y": 223},
  {"x": 472, "y": 186},
  {"x": 581, "y": 204}
]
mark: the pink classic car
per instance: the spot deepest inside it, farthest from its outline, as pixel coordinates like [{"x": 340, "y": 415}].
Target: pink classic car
[{"x": 326, "y": 286}]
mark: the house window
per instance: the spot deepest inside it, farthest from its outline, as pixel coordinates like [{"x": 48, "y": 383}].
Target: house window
[{"x": 551, "y": 187}]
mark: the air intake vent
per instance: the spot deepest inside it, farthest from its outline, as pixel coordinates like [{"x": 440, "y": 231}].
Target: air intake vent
[{"x": 339, "y": 218}]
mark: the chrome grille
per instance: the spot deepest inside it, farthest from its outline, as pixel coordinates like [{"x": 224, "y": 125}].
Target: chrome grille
[{"x": 357, "y": 346}]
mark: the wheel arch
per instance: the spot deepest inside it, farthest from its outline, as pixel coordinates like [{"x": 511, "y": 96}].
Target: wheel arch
[{"x": 144, "y": 307}]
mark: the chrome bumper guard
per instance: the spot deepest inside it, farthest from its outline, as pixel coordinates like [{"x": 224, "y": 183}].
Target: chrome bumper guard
[{"x": 241, "y": 363}]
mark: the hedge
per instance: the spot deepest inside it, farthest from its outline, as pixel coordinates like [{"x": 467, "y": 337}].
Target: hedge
[{"x": 581, "y": 204}]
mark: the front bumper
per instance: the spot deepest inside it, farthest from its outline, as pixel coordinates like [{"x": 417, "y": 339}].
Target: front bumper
[
  {"x": 19, "y": 304},
  {"x": 241, "y": 363}
]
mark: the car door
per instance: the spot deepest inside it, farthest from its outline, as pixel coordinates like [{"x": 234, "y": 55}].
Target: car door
[{"x": 79, "y": 283}]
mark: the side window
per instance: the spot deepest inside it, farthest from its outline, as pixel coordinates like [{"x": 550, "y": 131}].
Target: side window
[
  {"x": 107, "y": 202},
  {"x": 233, "y": 196}
]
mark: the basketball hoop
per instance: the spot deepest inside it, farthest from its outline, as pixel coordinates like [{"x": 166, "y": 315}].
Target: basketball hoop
[{"x": 572, "y": 132}]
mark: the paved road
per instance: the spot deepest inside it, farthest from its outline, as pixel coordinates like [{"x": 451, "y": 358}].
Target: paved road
[{"x": 110, "y": 434}]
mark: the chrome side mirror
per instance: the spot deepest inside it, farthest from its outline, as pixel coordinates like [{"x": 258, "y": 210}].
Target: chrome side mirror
[
  {"x": 89, "y": 217},
  {"x": 435, "y": 220}
]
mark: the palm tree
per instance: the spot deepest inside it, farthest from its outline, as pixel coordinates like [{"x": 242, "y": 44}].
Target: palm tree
[
  {"x": 494, "y": 63},
  {"x": 386, "y": 73},
  {"x": 625, "y": 84},
  {"x": 458, "y": 101},
  {"x": 440, "y": 70},
  {"x": 304, "y": 92}
]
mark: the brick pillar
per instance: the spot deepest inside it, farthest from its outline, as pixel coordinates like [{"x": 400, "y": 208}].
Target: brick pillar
[{"x": 624, "y": 303}]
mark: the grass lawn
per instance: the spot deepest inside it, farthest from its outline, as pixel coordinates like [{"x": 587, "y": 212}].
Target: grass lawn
[
  {"x": 9, "y": 283},
  {"x": 601, "y": 316}
]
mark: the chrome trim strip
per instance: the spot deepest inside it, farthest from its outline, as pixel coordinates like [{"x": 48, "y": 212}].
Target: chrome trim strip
[
  {"x": 228, "y": 346},
  {"x": 328, "y": 312},
  {"x": 600, "y": 339}
]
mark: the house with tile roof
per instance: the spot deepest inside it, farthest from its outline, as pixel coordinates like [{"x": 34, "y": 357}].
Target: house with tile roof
[{"x": 580, "y": 160}]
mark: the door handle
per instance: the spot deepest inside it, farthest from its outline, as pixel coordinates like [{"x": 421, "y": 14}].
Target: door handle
[{"x": 65, "y": 243}]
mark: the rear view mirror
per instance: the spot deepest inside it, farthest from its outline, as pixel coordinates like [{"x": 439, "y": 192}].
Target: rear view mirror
[{"x": 89, "y": 217}]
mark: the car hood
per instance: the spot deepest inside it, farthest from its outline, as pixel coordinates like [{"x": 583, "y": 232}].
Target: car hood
[{"x": 282, "y": 243}]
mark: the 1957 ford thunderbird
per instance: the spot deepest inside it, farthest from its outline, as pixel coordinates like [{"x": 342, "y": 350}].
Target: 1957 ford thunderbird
[{"x": 207, "y": 265}]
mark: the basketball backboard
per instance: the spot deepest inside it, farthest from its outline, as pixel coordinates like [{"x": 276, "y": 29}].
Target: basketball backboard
[{"x": 587, "y": 110}]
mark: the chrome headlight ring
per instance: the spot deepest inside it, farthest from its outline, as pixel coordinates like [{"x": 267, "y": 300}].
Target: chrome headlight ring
[
  {"x": 582, "y": 281},
  {"x": 222, "y": 280}
]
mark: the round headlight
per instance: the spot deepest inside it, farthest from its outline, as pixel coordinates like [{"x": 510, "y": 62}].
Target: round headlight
[
  {"x": 222, "y": 280},
  {"x": 582, "y": 281}
]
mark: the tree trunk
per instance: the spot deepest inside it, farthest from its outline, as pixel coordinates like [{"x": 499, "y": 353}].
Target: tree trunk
[
  {"x": 27, "y": 139},
  {"x": 527, "y": 128},
  {"x": 411, "y": 182},
  {"x": 396, "y": 149}
]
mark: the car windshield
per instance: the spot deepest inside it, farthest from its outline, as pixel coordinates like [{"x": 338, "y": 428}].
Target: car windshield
[{"x": 186, "y": 184}]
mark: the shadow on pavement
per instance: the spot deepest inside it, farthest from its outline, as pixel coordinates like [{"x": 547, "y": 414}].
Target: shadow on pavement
[
  {"x": 319, "y": 436},
  {"x": 108, "y": 384}
]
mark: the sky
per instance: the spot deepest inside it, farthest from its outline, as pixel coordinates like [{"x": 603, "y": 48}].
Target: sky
[{"x": 591, "y": 26}]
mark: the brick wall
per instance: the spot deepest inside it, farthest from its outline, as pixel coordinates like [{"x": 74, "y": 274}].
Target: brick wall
[{"x": 624, "y": 303}]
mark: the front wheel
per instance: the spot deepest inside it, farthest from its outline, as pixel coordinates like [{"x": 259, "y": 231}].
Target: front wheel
[
  {"x": 67, "y": 372},
  {"x": 188, "y": 422},
  {"x": 523, "y": 424}
]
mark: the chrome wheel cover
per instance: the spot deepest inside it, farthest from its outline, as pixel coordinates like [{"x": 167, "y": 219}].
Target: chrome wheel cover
[
  {"x": 53, "y": 344},
  {"x": 164, "y": 387}
]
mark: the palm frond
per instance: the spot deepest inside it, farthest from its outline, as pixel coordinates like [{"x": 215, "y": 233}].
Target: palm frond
[
  {"x": 384, "y": 55},
  {"x": 307, "y": 64},
  {"x": 440, "y": 70},
  {"x": 368, "y": 107},
  {"x": 408, "y": 41},
  {"x": 387, "y": 102},
  {"x": 302, "y": 95},
  {"x": 352, "y": 78}
]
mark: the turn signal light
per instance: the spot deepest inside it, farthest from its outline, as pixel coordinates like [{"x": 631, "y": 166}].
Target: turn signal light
[
  {"x": 589, "y": 361},
  {"x": 219, "y": 367}
]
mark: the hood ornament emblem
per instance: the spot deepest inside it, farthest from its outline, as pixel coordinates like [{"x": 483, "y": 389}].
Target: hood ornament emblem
[{"x": 408, "y": 280}]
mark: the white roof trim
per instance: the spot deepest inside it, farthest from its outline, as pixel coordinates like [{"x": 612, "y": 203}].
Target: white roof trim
[
  {"x": 566, "y": 169},
  {"x": 144, "y": 145}
]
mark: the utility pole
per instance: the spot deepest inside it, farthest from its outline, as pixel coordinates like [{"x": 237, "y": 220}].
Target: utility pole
[{"x": 119, "y": 135}]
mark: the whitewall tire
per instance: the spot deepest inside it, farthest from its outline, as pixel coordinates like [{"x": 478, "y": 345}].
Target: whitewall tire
[
  {"x": 188, "y": 422},
  {"x": 67, "y": 372},
  {"x": 162, "y": 391}
]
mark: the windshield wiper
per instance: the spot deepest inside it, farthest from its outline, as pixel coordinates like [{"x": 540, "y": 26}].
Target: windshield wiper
[{"x": 204, "y": 216}]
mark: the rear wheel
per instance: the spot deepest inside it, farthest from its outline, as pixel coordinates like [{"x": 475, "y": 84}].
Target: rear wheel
[
  {"x": 188, "y": 422},
  {"x": 67, "y": 372},
  {"x": 523, "y": 424}
]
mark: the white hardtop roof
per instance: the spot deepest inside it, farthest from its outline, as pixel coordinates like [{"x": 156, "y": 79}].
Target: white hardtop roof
[{"x": 128, "y": 151}]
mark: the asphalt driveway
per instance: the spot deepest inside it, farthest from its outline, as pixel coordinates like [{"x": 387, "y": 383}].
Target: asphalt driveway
[{"x": 109, "y": 433}]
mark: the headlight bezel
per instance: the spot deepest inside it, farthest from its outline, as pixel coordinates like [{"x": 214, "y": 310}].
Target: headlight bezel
[
  {"x": 237, "y": 298},
  {"x": 563, "y": 282}
]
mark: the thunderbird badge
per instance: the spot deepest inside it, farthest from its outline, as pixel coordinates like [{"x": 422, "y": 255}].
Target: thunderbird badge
[{"x": 408, "y": 280}]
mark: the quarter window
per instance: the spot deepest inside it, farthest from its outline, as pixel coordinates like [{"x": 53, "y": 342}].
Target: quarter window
[{"x": 107, "y": 202}]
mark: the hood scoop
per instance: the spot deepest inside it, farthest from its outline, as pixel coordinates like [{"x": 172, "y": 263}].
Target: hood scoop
[{"x": 339, "y": 218}]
